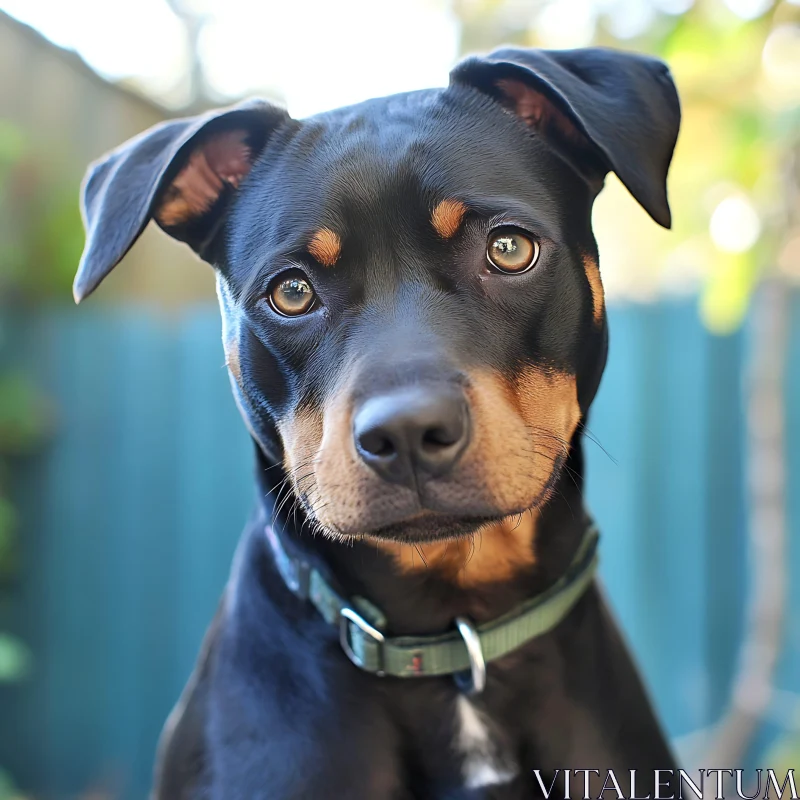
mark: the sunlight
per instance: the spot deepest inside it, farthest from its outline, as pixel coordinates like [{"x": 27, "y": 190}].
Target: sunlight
[
  {"x": 300, "y": 52},
  {"x": 119, "y": 39},
  {"x": 735, "y": 225}
]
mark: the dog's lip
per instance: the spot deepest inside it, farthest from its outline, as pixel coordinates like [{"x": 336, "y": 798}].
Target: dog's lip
[
  {"x": 428, "y": 525},
  {"x": 432, "y": 526}
]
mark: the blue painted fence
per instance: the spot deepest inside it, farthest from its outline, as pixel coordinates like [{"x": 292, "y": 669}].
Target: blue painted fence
[{"x": 131, "y": 513}]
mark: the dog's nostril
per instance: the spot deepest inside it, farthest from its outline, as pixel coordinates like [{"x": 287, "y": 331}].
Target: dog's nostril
[
  {"x": 377, "y": 444},
  {"x": 436, "y": 438}
]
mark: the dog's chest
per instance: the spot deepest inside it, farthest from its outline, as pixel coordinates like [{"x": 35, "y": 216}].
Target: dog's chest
[{"x": 483, "y": 749}]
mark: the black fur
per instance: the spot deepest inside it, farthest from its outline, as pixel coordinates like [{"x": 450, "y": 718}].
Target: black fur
[{"x": 275, "y": 710}]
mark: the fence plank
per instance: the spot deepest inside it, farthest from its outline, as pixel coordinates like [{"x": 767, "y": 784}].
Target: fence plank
[
  {"x": 725, "y": 517},
  {"x": 146, "y": 555},
  {"x": 789, "y": 667}
]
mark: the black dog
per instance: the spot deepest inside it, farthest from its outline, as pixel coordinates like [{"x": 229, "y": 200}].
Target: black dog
[{"x": 415, "y": 329}]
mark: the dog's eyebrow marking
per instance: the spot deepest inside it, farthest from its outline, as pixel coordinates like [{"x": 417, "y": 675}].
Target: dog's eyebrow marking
[
  {"x": 447, "y": 217},
  {"x": 596, "y": 285},
  {"x": 325, "y": 246}
]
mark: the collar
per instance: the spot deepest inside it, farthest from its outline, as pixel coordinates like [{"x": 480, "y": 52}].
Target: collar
[{"x": 462, "y": 652}]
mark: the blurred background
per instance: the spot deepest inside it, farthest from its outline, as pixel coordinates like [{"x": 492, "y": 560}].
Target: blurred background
[{"x": 125, "y": 471}]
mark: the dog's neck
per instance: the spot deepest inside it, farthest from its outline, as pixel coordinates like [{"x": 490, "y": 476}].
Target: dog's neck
[{"x": 422, "y": 589}]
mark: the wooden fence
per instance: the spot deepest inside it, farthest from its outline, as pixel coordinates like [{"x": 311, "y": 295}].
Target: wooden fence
[{"x": 131, "y": 513}]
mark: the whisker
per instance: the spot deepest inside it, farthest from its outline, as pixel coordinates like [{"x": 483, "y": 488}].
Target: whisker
[{"x": 592, "y": 438}]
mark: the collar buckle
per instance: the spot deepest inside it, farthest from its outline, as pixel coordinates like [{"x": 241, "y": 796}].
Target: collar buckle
[{"x": 347, "y": 615}]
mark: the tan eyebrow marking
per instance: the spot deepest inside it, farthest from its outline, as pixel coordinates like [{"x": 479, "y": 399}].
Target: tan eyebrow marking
[
  {"x": 447, "y": 217},
  {"x": 325, "y": 246},
  {"x": 596, "y": 285}
]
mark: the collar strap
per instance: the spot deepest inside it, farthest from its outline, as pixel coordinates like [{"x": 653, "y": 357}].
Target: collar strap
[{"x": 465, "y": 650}]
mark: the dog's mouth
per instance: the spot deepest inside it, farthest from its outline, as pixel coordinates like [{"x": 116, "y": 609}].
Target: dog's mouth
[
  {"x": 431, "y": 526},
  {"x": 519, "y": 439},
  {"x": 428, "y": 525}
]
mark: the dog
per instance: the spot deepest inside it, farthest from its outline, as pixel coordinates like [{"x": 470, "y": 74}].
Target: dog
[{"x": 414, "y": 325}]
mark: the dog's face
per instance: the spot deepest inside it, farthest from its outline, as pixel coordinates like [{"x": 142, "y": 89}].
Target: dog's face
[
  {"x": 411, "y": 295},
  {"x": 413, "y": 315}
]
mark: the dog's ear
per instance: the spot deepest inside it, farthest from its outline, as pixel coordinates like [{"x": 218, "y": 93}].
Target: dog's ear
[
  {"x": 606, "y": 109},
  {"x": 183, "y": 173}
]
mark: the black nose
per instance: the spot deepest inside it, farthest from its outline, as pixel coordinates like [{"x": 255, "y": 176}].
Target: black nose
[{"x": 412, "y": 434}]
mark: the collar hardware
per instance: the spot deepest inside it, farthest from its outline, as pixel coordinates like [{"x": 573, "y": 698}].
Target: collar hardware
[
  {"x": 462, "y": 653},
  {"x": 477, "y": 663},
  {"x": 348, "y": 615}
]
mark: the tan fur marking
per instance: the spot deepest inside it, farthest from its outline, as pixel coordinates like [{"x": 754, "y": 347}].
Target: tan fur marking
[
  {"x": 447, "y": 217},
  {"x": 301, "y": 436},
  {"x": 520, "y": 428},
  {"x": 548, "y": 401},
  {"x": 596, "y": 285},
  {"x": 494, "y": 555},
  {"x": 223, "y": 159},
  {"x": 326, "y": 247},
  {"x": 539, "y": 411}
]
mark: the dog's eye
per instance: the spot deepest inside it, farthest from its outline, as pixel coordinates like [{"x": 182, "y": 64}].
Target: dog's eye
[
  {"x": 511, "y": 251},
  {"x": 292, "y": 295}
]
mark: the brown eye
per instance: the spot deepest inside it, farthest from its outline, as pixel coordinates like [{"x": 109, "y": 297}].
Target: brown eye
[
  {"x": 510, "y": 251},
  {"x": 292, "y": 296}
]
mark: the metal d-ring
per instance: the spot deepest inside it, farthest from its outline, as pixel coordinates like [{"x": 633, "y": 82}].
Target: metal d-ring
[
  {"x": 477, "y": 663},
  {"x": 348, "y": 614}
]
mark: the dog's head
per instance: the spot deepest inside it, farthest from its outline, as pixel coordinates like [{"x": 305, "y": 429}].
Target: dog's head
[{"x": 413, "y": 315}]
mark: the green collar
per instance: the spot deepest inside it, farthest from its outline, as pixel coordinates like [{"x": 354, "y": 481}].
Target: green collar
[{"x": 462, "y": 652}]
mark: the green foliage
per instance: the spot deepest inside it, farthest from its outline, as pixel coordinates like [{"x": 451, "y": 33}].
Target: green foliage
[
  {"x": 7, "y": 789},
  {"x": 23, "y": 422},
  {"x": 41, "y": 234},
  {"x": 8, "y": 524},
  {"x": 22, "y": 414},
  {"x": 785, "y": 754},
  {"x": 21, "y": 409},
  {"x": 12, "y": 148},
  {"x": 15, "y": 659},
  {"x": 39, "y": 242}
]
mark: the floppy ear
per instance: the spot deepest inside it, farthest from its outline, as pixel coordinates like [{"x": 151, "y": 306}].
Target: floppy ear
[
  {"x": 606, "y": 109},
  {"x": 183, "y": 173}
]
